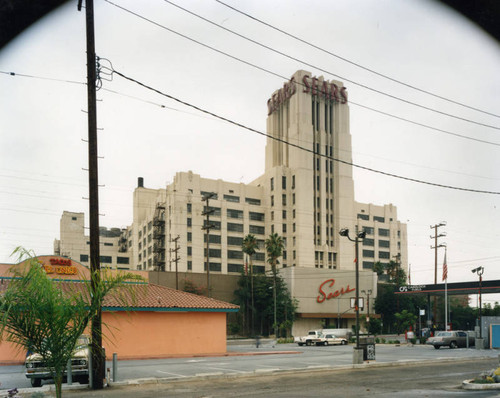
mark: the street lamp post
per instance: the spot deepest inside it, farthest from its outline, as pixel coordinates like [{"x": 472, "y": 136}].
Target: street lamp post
[
  {"x": 358, "y": 238},
  {"x": 479, "y": 271}
]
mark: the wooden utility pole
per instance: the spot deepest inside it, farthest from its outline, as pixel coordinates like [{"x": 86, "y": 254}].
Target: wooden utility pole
[
  {"x": 436, "y": 247},
  {"x": 176, "y": 260},
  {"x": 98, "y": 360}
]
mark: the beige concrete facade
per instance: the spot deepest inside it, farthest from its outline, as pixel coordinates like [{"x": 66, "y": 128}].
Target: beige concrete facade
[{"x": 306, "y": 195}]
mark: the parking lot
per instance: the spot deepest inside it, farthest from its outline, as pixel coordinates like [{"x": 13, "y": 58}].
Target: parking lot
[{"x": 245, "y": 358}]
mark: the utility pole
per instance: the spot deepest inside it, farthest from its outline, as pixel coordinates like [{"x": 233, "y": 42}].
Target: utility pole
[
  {"x": 98, "y": 364},
  {"x": 176, "y": 260},
  {"x": 206, "y": 198},
  {"x": 436, "y": 247}
]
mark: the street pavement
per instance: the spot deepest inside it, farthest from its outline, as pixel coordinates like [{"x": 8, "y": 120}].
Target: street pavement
[{"x": 245, "y": 359}]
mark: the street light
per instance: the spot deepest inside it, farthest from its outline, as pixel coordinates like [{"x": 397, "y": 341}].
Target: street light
[
  {"x": 479, "y": 271},
  {"x": 358, "y": 238}
]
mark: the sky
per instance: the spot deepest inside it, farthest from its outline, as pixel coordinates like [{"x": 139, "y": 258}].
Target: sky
[{"x": 43, "y": 124}]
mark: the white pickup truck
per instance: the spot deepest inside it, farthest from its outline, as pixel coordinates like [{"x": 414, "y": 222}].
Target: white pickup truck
[{"x": 313, "y": 336}]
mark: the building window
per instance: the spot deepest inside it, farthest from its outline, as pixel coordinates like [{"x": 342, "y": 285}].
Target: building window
[
  {"x": 105, "y": 259},
  {"x": 235, "y": 254},
  {"x": 252, "y": 201},
  {"x": 214, "y": 224},
  {"x": 259, "y": 256},
  {"x": 212, "y": 239},
  {"x": 284, "y": 228},
  {"x": 256, "y": 216},
  {"x": 189, "y": 207},
  {"x": 283, "y": 199},
  {"x": 190, "y": 265},
  {"x": 283, "y": 215},
  {"x": 378, "y": 219},
  {"x": 232, "y": 198},
  {"x": 283, "y": 182},
  {"x": 368, "y": 253},
  {"x": 317, "y": 183},
  {"x": 257, "y": 229},
  {"x": 216, "y": 267},
  {"x": 272, "y": 200},
  {"x": 367, "y": 264},
  {"x": 384, "y": 254},
  {"x": 272, "y": 183},
  {"x": 231, "y": 213},
  {"x": 236, "y": 268},
  {"x": 369, "y": 230},
  {"x": 234, "y": 227},
  {"x": 84, "y": 258},
  {"x": 365, "y": 217},
  {"x": 189, "y": 251},
  {"x": 383, "y": 232},
  {"x": 234, "y": 241},
  {"x": 212, "y": 195},
  {"x": 384, "y": 243},
  {"x": 189, "y": 222},
  {"x": 122, "y": 260},
  {"x": 214, "y": 253},
  {"x": 368, "y": 242},
  {"x": 293, "y": 198},
  {"x": 189, "y": 237},
  {"x": 108, "y": 244},
  {"x": 293, "y": 182}
]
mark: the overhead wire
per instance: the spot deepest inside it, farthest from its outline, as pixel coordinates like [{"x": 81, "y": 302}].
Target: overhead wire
[
  {"x": 319, "y": 68},
  {"x": 355, "y": 63},
  {"x": 300, "y": 147}
]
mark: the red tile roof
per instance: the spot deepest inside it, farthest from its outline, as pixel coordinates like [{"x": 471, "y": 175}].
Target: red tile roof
[{"x": 144, "y": 296}]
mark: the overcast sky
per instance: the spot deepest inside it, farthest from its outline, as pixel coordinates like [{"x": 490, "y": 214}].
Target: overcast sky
[{"x": 421, "y": 43}]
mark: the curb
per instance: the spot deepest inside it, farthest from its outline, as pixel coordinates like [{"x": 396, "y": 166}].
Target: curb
[{"x": 469, "y": 385}]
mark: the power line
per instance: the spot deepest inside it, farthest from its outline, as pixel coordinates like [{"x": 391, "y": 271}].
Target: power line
[
  {"x": 318, "y": 68},
  {"x": 300, "y": 147},
  {"x": 354, "y": 63},
  {"x": 351, "y": 102}
]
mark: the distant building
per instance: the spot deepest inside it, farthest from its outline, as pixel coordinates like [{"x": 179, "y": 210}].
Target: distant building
[
  {"x": 306, "y": 195},
  {"x": 73, "y": 243}
]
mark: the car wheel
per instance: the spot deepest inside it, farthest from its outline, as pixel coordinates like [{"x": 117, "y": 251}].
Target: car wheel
[
  {"x": 300, "y": 344},
  {"x": 308, "y": 342},
  {"x": 436, "y": 347},
  {"x": 453, "y": 344},
  {"x": 36, "y": 382},
  {"x": 344, "y": 342},
  {"x": 325, "y": 343}
]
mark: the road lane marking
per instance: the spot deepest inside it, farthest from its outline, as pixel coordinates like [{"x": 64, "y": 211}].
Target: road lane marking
[{"x": 169, "y": 373}]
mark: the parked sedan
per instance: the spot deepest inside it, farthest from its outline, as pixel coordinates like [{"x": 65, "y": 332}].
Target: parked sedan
[
  {"x": 450, "y": 339},
  {"x": 329, "y": 339}
]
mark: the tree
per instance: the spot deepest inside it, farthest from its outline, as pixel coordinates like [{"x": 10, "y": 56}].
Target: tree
[
  {"x": 47, "y": 317},
  {"x": 249, "y": 247},
  {"x": 264, "y": 307},
  {"x": 405, "y": 320},
  {"x": 274, "y": 248}
]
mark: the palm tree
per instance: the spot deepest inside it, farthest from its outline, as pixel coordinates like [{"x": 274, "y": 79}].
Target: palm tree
[
  {"x": 249, "y": 247},
  {"x": 274, "y": 248}
]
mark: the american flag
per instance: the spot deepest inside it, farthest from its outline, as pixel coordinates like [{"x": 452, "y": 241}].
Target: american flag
[{"x": 445, "y": 268}]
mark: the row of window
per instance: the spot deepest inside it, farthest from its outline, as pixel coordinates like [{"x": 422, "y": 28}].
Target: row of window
[
  {"x": 371, "y": 254},
  {"x": 381, "y": 243},
  {"x": 231, "y": 227},
  {"x": 381, "y": 231},
  {"x": 283, "y": 182},
  {"x": 366, "y": 217},
  {"x": 232, "y": 254},
  {"x": 84, "y": 258},
  {"x": 231, "y": 198}
]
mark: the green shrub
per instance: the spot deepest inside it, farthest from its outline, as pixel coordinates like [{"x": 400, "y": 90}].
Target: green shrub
[
  {"x": 413, "y": 340},
  {"x": 285, "y": 340}
]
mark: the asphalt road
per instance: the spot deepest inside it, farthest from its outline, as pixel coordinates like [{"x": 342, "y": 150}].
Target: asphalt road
[
  {"x": 245, "y": 361},
  {"x": 431, "y": 380}
]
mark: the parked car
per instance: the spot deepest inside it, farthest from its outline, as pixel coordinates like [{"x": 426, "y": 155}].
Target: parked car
[
  {"x": 329, "y": 339},
  {"x": 452, "y": 339},
  {"x": 37, "y": 371},
  {"x": 315, "y": 334}
]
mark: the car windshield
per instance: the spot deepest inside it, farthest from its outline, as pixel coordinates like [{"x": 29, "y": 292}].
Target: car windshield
[
  {"x": 82, "y": 342},
  {"x": 443, "y": 334}
]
